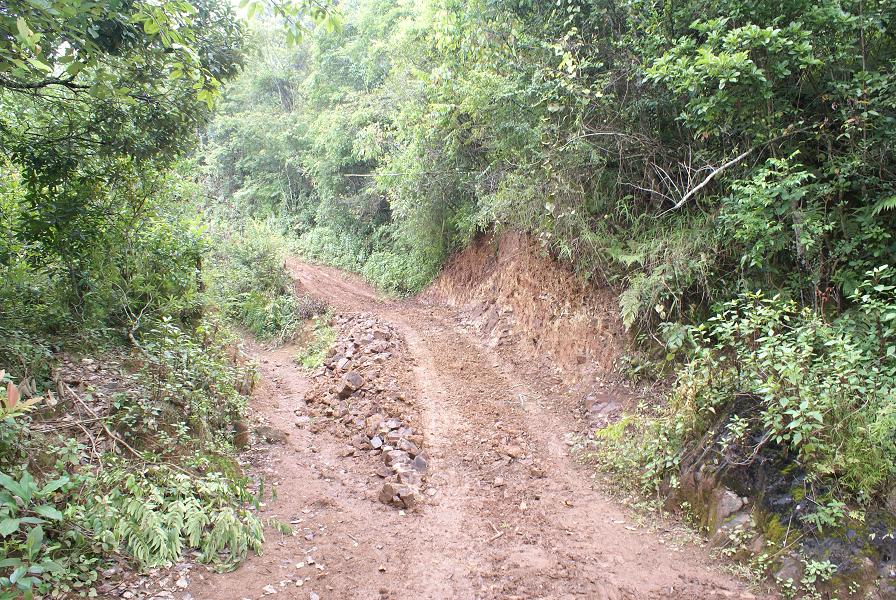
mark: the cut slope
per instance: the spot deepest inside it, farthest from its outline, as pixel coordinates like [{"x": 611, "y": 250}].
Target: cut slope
[{"x": 514, "y": 294}]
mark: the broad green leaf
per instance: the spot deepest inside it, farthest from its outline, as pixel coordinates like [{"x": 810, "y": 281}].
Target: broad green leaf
[
  {"x": 17, "y": 574},
  {"x": 10, "y": 562},
  {"x": 14, "y": 487},
  {"x": 45, "y": 510},
  {"x": 8, "y": 526},
  {"x": 54, "y": 485},
  {"x": 39, "y": 64},
  {"x": 34, "y": 541},
  {"x": 24, "y": 31}
]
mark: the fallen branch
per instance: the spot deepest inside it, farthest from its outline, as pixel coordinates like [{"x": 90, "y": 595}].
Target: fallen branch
[
  {"x": 690, "y": 194},
  {"x": 497, "y": 533},
  {"x": 715, "y": 172},
  {"x": 108, "y": 431}
]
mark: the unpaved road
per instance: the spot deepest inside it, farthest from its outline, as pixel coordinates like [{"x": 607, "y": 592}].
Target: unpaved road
[{"x": 533, "y": 528}]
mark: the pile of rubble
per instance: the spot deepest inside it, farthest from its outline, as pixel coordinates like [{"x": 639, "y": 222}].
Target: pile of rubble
[{"x": 361, "y": 390}]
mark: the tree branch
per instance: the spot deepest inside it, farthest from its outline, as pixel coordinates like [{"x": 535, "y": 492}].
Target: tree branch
[
  {"x": 36, "y": 85},
  {"x": 693, "y": 191}
]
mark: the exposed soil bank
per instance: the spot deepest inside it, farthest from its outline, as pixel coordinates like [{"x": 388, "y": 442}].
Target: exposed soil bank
[{"x": 513, "y": 293}]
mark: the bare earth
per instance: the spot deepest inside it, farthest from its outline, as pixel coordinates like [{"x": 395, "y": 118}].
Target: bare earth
[{"x": 534, "y": 528}]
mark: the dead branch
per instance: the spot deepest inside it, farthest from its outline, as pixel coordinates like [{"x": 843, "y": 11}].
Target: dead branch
[{"x": 115, "y": 437}]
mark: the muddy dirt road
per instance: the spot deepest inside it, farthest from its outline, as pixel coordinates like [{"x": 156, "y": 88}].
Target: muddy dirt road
[{"x": 524, "y": 522}]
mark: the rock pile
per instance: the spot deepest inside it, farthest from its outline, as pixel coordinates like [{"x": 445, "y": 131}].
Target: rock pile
[{"x": 359, "y": 389}]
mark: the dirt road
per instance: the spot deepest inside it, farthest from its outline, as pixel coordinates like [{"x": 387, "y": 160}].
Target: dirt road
[{"x": 535, "y": 526}]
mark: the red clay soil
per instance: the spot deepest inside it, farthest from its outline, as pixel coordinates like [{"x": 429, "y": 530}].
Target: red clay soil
[
  {"x": 524, "y": 523},
  {"x": 510, "y": 290}
]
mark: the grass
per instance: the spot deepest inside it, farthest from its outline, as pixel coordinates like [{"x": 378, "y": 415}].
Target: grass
[{"x": 323, "y": 334}]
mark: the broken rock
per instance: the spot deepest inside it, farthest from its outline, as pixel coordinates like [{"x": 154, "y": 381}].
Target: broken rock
[
  {"x": 394, "y": 457},
  {"x": 271, "y": 435},
  {"x": 349, "y": 384},
  {"x": 398, "y": 494},
  {"x": 420, "y": 463}
]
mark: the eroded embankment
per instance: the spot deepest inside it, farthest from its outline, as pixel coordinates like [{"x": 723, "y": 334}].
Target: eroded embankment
[{"x": 513, "y": 293}]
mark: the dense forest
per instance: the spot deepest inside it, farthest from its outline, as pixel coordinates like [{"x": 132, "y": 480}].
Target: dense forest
[{"x": 728, "y": 168}]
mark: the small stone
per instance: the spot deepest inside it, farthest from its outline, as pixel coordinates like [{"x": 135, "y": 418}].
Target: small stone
[
  {"x": 269, "y": 590},
  {"x": 408, "y": 446},
  {"x": 376, "y": 442},
  {"x": 409, "y": 477},
  {"x": 354, "y": 379},
  {"x": 373, "y": 423},
  {"x": 398, "y": 494},
  {"x": 361, "y": 442},
  {"x": 513, "y": 451},
  {"x": 182, "y": 583},
  {"x": 408, "y": 496},
  {"x": 271, "y": 435},
  {"x": 499, "y": 481},
  {"x": 727, "y": 504},
  {"x": 396, "y": 456},
  {"x": 791, "y": 569},
  {"x": 420, "y": 463}
]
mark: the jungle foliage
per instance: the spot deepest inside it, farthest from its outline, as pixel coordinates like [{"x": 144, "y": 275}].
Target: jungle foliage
[
  {"x": 104, "y": 253},
  {"x": 727, "y": 166}
]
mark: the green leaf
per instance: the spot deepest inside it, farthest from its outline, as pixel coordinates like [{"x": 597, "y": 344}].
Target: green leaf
[
  {"x": 882, "y": 205},
  {"x": 17, "y": 574},
  {"x": 24, "y": 31},
  {"x": 10, "y": 562},
  {"x": 39, "y": 64},
  {"x": 45, "y": 510},
  {"x": 15, "y": 488},
  {"x": 8, "y": 526},
  {"x": 34, "y": 541},
  {"x": 54, "y": 485}
]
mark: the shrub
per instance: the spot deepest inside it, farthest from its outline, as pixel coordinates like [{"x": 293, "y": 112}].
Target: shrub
[{"x": 764, "y": 371}]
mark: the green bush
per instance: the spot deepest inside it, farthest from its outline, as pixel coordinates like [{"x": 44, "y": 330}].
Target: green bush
[
  {"x": 251, "y": 283},
  {"x": 766, "y": 372},
  {"x": 314, "y": 352}
]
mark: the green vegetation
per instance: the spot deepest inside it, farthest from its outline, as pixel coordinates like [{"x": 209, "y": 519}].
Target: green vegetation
[
  {"x": 323, "y": 334},
  {"x": 252, "y": 286},
  {"x": 103, "y": 255}
]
